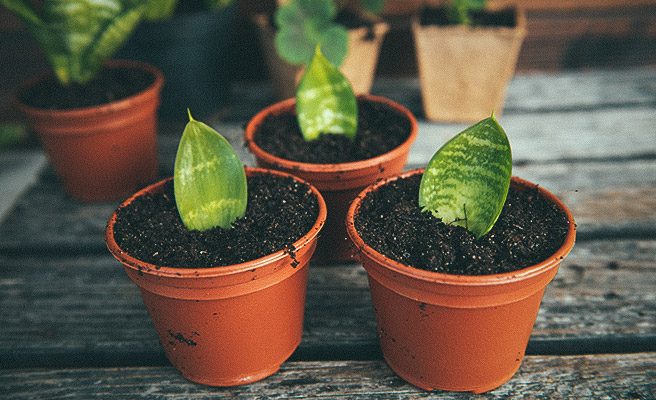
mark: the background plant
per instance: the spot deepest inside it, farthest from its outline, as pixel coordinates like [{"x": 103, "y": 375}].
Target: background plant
[
  {"x": 78, "y": 36},
  {"x": 304, "y": 24},
  {"x": 459, "y": 12}
]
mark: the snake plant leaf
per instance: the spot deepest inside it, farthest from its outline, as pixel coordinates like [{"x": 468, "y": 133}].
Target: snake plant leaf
[
  {"x": 467, "y": 180},
  {"x": 209, "y": 179},
  {"x": 78, "y": 36},
  {"x": 325, "y": 102},
  {"x": 304, "y": 24}
]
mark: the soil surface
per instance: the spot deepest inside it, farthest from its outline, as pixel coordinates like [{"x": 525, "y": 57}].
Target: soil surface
[
  {"x": 111, "y": 84},
  {"x": 279, "y": 212},
  {"x": 529, "y": 230},
  {"x": 380, "y": 129},
  {"x": 438, "y": 16}
]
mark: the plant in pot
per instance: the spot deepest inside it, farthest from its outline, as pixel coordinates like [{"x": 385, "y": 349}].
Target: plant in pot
[
  {"x": 189, "y": 41},
  {"x": 95, "y": 119},
  {"x": 350, "y": 35},
  {"x": 220, "y": 254},
  {"x": 458, "y": 257},
  {"x": 466, "y": 56},
  {"x": 338, "y": 142}
]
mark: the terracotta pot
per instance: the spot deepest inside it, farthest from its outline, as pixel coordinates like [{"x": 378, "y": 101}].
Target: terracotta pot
[
  {"x": 359, "y": 65},
  {"x": 105, "y": 152},
  {"x": 464, "y": 72},
  {"x": 338, "y": 183},
  {"x": 455, "y": 332},
  {"x": 228, "y": 325}
]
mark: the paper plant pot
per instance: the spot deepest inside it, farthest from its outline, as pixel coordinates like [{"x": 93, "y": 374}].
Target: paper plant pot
[
  {"x": 105, "y": 152},
  {"x": 464, "y": 72},
  {"x": 359, "y": 65},
  {"x": 338, "y": 183},
  {"x": 228, "y": 325},
  {"x": 455, "y": 332}
]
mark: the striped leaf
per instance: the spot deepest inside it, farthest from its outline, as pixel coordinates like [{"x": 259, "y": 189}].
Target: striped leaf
[
  {"x": 325, "y": 102},
  {"x": 467, "y": 180},
  {"x": 209, "y": 179}
]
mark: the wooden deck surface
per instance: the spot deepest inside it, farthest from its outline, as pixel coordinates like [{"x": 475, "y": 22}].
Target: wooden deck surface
[{"x": 72, "y": 325}]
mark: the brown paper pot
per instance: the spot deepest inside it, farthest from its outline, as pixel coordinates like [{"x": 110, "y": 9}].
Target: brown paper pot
[
  {"x": 229, "y": 325},
  {"x": 338, "y": 183},
  {"x": 359, "y": 66},
  {"x": 464, "y": 72},
  {"x": 455, "y": 332},
  {"x": 101, "y": 153}
]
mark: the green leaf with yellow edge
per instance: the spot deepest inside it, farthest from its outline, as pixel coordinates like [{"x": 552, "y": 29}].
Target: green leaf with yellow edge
[
  {"x": 209, "y": 179},
  {"x": 325, "y": 102},
  {"x": 467, "y": 180}
]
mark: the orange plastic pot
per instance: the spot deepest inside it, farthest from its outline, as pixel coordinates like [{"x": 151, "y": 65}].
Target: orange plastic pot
[
  {"x": 228, "y": 325},
  {"x": 105, "y": 152},
  {"x": 455, "y": 332},
  {"x": 338, "y": 183}
]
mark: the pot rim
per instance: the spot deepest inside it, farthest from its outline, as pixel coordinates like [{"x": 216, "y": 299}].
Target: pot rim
[
  {"x": 173, "y": 272},
  {"x": 126, "y": 102},
  {"x": 462, "y": 280},
  {"x": 289, "y": 104}
]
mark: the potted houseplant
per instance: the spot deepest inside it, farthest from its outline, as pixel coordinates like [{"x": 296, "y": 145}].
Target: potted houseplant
[
  {"x": 458, "y": 257},
  {"x": 368, "y": 138},
  {"x": 466, "y": 55},
  {"x": 220, "y": 254},
  {"x": 350, "y": 38},
  {"x": 95, "y": 119},
  {"x": 189, "y": 41}
]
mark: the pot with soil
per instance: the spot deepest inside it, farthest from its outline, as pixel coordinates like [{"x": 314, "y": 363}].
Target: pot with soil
[
  {"x": 226, "y": 299},
  {"x": 101, "y": 137},
  {"x": 339, "y": 166},
  {"x": 95, "y": 119},
  {"x": 465, "y": 63},
  {"x": 455, "y": 301}
]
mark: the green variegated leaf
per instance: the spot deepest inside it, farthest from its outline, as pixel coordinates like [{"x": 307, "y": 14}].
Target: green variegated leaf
[
  {"x": 209, "y": 179},
  {"x": 467, "y": 180},
  {"x": 325, "y": 102}
]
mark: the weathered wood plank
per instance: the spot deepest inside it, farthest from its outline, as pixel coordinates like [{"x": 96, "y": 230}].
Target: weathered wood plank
[
  {"x": 629, "y": 376},
  {"x": 83, "y": 311}
]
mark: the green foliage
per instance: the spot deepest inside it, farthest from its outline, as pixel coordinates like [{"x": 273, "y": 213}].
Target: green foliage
[
  {"x": 467, "y": 180},
  {"x": 459, "y": 11},
  {"x": 159, "y": 10},
  {"x": 78, "y": 36},
  {"x": 325, "y": 102},
  {"x": 304, "y": 24},
  {"x": 209, "y": 179}
]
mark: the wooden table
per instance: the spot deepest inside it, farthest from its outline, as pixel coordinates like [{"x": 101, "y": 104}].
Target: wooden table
[{"x": 73, "y": 325}]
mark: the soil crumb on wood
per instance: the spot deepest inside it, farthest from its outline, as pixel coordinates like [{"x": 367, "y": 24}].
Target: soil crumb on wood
[
  {"x": 279, "y": 212},
  {"x": 528, "y": 231},
  {"x": 380, "y": 129}
]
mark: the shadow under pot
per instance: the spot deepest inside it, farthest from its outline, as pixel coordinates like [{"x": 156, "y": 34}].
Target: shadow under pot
[
  {"x": 238, "y": 321},
  {"x": 444, "y": 330},
  {"x": 338, "y": 167}
]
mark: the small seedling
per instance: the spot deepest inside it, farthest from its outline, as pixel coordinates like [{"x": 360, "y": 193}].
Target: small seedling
[
  {"x": 209, "y": 179},
  {"x": 467, "y": 180},
  {"x": 325, "y": 102},
  {"x": 459, "y": 11}
]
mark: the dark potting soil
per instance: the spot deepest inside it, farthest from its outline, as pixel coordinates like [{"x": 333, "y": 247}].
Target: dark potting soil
[
  {"x": 380, "y": 129},
  {"x": 438, "y": 16},
  {"x": 279, "y": 212},
  {"x": 111, "y": 84},
  {"x": 528, "y": 231}
]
